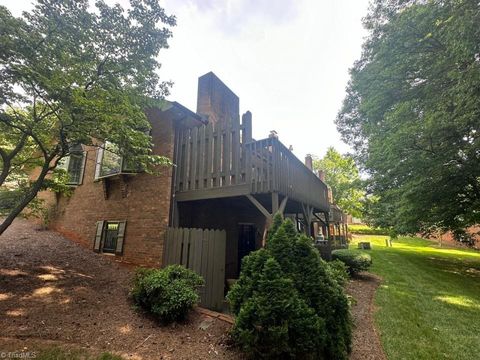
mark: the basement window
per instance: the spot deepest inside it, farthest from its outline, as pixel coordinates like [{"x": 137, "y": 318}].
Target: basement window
[
  {"x": 74, "y": 165},
  {"x": 109, "y": 237}
]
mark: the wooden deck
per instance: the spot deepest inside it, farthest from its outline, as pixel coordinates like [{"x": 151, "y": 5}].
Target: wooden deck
[{"x": 224, "y": 161}]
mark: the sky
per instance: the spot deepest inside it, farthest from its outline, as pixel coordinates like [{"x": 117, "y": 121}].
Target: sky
[{"x": 287, "y": 60}]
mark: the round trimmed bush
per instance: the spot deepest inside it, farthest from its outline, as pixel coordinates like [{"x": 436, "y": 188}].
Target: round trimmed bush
[
  {"x": 168, "y": 293},
  {"x": 355, "y": 261}
]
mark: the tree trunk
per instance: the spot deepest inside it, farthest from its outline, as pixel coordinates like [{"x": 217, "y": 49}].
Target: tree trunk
[
  {"x": 5, "y": 170},
  {"x": 28, "y": 197},
  {"x": 7, "y": 159}
]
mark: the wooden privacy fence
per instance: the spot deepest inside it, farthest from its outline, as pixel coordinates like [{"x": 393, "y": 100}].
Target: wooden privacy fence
[{"x": 202, "y": 251}]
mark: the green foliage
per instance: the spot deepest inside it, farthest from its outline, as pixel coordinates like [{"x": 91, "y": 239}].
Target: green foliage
[
  {"x": 276, "y": 223},
  {"x": 167, "y": 293},
  {"x": 293, "y": 264},
  {"x": 281, "y": 246},
  {"x": 75, "y": 75},
  {"x": 413, "y": 117},
  {"x": 247, "y": 284},
  {"x": 355, "y": 261},
  {"x": 338, "y": 271},
  {"x": 321, "y": 292},
  {"x": 8, "y": 199},
  {"x": 367, "y": 230},
  {"x": 342, "y": 175},
  {"x": 265, "y": 329}
]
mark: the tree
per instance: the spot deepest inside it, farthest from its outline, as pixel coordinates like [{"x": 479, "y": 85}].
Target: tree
[
  {"x": 296, "y": 296},
  {"x": 413, "y": 116},
  {"x": 342, "y": 175},
  {"x": 70, "y": 75}
]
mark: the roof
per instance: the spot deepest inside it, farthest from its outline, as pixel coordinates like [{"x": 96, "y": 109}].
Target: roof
[{"x": 181, "y": 110}]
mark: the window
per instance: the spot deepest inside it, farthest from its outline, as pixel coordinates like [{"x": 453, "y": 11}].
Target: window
[
  {"x": 110, "y": 163},
  {"x": 74, "y": 165},
  {"x": 109, "y": 237}
]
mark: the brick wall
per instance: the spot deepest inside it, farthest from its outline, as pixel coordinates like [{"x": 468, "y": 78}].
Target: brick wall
[
  {"x": 142, "y": 200},
  {"x": 447, "y": 238}
]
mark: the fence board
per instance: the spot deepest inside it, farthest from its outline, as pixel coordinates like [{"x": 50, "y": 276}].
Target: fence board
[
  {"x": 201, "y": 156},
  {"x": 194, "y": 156},
  {"x": 202, "y": 251}
]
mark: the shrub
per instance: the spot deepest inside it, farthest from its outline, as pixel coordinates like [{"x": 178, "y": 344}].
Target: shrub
[
  {"x": 248, "y": 282},
  {"x": 366, "y": 230},
  {"x": 338, "y": 271},
  {"x": 321, "y": 292},
  {"x": 8, "y": 200},
  {"x": 316, "y": 292},
  {"x": 355, "y": 261},
  {"x": 263, "y": 327},
  {"x": 167, "y": 293}
]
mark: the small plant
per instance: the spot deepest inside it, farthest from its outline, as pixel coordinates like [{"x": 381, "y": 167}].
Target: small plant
[
  {"x": 338, "y": 271},
  {"x": 355, "y": 261},
  {"x": 168, "y": 293}
]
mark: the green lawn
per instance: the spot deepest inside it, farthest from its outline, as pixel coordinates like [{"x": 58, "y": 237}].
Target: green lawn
[{"x": 428, "y": 306}]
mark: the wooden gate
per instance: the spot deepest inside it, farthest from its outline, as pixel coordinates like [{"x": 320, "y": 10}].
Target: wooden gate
[{"x": 202, "y": 251}]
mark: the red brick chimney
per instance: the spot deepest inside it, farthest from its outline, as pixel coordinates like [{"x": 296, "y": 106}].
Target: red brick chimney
[
  {"x": 321, "y": 175},
  {"x": 215, "y": 100},
  {"x": 309, "y": 161}
]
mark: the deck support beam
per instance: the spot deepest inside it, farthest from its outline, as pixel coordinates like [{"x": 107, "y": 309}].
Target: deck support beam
[
  {"x": 274, "y": 202},
  {"x": 283, "y": 204},
  {"x": 269, "y": 216},
  {"x": 307, "y": 216},
  {"x": 260, "y": 207}
]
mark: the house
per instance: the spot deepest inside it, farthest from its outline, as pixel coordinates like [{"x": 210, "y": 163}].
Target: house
[{"x": 209, "y": 210}]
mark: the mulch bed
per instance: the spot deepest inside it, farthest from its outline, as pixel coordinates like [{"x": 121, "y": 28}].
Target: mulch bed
[
  {"x": 55, "y": 293},
  {"x": 366, "y": 341}
]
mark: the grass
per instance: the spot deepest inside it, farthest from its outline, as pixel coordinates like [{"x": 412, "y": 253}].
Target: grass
[{"x": 428, "y": 306}]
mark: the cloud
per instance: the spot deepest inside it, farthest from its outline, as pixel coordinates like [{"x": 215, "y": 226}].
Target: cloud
[{"x": 234, "y": 17}]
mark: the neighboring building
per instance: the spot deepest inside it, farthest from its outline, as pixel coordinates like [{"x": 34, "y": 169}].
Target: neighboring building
[{"x": 222, "y": 179}]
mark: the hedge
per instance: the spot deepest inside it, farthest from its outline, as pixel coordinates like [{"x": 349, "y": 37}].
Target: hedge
[{"x": 355, "y": 260}]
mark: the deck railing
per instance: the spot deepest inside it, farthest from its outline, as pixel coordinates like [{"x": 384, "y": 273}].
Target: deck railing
[
  {"x": 225, "y": 156},
  {"x": 274, "y": 168}
]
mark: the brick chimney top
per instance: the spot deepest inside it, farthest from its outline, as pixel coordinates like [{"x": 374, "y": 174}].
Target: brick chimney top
[
  {"x": 321, "y": 175},
  {"x": 309, "y": 161},
  {"x": 215, "y": 100}
]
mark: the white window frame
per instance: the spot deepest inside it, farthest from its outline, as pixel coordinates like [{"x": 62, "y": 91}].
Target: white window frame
[
  {"x": 64, "y": 164},
  {"x": 98, "y": 164}
]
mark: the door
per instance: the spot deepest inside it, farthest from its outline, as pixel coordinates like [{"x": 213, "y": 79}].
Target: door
[
  {"x": 111, "y": 237},
  {"x": 246, "y": 241}
]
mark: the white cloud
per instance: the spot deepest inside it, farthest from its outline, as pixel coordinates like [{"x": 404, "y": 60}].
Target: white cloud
[
  {"x": 290, "y": 73},
  {"x": 287, "y": 60}
]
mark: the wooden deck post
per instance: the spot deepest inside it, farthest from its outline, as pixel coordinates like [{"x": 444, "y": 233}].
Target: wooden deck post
[
  {"x": 307, "y": 217},
  {"x": 274, "y": 203}
]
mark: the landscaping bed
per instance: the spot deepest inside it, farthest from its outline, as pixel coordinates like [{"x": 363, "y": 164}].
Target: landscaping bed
[{"x": 55, "y": 293}]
